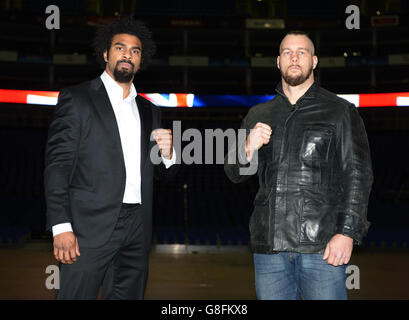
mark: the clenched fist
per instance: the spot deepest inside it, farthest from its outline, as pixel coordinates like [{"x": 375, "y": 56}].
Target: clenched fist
[
  {"x": 259, "y": 136},
  {"x": 66, "y": 248},
  {"x": 163, "y": 138}
]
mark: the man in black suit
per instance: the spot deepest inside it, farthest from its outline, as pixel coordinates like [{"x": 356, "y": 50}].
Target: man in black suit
[{"x": 99, "y": 175}]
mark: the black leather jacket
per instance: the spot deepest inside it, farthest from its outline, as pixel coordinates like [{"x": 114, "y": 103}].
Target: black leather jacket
[{"x": 314, "y": 175}]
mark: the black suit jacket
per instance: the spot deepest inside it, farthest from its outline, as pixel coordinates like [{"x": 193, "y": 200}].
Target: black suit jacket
[{"x": 85, "y": 174}]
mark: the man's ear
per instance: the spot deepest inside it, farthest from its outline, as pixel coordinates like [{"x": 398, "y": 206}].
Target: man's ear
[
  {"x": 278, "y": 62},
  {"x": 314, "y": 62},
  {"x": 106, "y": 56}
]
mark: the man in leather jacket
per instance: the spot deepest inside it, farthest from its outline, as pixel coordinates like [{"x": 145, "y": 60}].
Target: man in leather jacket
[{"x": 314, "y": 168}]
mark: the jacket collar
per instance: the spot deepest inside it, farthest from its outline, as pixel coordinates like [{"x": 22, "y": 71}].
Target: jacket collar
[
  {"x": 96, "y": 83},
  {"x": 311, "y": 93}
]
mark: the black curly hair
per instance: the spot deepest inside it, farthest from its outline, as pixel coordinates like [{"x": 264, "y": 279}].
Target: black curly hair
[{"x": 103, "y": 39}]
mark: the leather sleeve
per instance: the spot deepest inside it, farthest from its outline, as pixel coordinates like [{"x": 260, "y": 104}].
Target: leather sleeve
[
  {"x": 356, "y": 176},
  {"x": 60, "y": 159}
]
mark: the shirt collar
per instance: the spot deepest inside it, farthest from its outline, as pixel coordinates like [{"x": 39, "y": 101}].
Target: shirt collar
[{"x": 114, "y": 90}]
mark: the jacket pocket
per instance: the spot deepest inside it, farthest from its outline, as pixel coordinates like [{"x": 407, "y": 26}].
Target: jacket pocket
[
  {"x": 317, "y": 221},
  {"x": 314, "y": 154},
  {"x": 310, "y": 220},
  {"x": 316, "y": 142}
]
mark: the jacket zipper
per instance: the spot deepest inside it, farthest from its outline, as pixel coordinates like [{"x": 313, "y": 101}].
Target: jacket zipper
[{"x": 293, "y": 110}]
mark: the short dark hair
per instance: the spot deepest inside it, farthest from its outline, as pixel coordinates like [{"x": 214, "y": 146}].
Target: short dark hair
[
  {"x": 298, "y": 33},
  {"x": 103, "y": 39}
]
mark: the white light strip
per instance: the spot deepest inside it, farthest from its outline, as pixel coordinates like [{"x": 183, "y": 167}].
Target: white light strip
[
  {"x": 353, "y": 98},
  {"x": 34, "y": 99},
  {"x": 402, "y": 101},
  {"x": 190, "y": 99},
  {"x": 158, "y": 99},
  {"x": 173, "y": 100}
]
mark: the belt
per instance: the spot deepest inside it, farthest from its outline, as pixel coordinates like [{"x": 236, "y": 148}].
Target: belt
[{"x": 130, "y": 205}]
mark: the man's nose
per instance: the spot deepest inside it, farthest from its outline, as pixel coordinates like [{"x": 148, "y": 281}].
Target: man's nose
[
  {"x": 294, "y": 57},
  {"x": 126, "y": 53}
]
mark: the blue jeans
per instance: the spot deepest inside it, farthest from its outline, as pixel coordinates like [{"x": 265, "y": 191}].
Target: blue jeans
[{"x": 290, "y": 275}]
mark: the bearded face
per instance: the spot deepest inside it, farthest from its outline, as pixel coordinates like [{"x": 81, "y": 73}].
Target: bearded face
[
  {"x": 124, "y": 57},
  {"x": 296, "y": 60}
]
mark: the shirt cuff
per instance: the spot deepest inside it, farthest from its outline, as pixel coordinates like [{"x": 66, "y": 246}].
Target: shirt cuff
[
  {"x": 62, "y": 227},
  {"x": 169, "y": 162}
]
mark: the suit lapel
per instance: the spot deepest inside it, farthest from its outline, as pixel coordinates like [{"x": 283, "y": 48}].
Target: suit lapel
[
  {"x": 104, "y": 109},
  {"x": 145, "y": 115}
]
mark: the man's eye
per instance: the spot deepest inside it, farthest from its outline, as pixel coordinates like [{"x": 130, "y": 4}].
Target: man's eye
[{"x": 118, "y": 48}]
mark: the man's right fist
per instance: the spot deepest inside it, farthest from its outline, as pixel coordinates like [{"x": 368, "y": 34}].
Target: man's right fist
[{"x": 259, "y": 136}]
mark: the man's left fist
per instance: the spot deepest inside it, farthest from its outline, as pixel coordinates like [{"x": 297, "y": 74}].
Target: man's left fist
[{"x": 163, "y": 138}]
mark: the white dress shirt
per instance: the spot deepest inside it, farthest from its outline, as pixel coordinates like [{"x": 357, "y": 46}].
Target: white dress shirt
[{"x": 129, "y": 126}]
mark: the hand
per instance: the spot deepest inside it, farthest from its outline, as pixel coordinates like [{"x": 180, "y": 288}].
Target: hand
[
  {"x": 163, "y": 138},
  {"x": 66, "y": 247},
  {"x": 259, "y": 136},
  {"x": 338, "y": 250}
]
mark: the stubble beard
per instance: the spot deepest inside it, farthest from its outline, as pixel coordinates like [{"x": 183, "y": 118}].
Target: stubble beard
[{"x": 296, "y": 80}]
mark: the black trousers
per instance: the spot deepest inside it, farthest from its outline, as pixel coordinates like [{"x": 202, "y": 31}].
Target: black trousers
[{"x": 119, "y": 268}]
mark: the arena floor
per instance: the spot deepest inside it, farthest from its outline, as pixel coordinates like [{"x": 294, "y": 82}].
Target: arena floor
[{"x": 203, "y": 272}]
